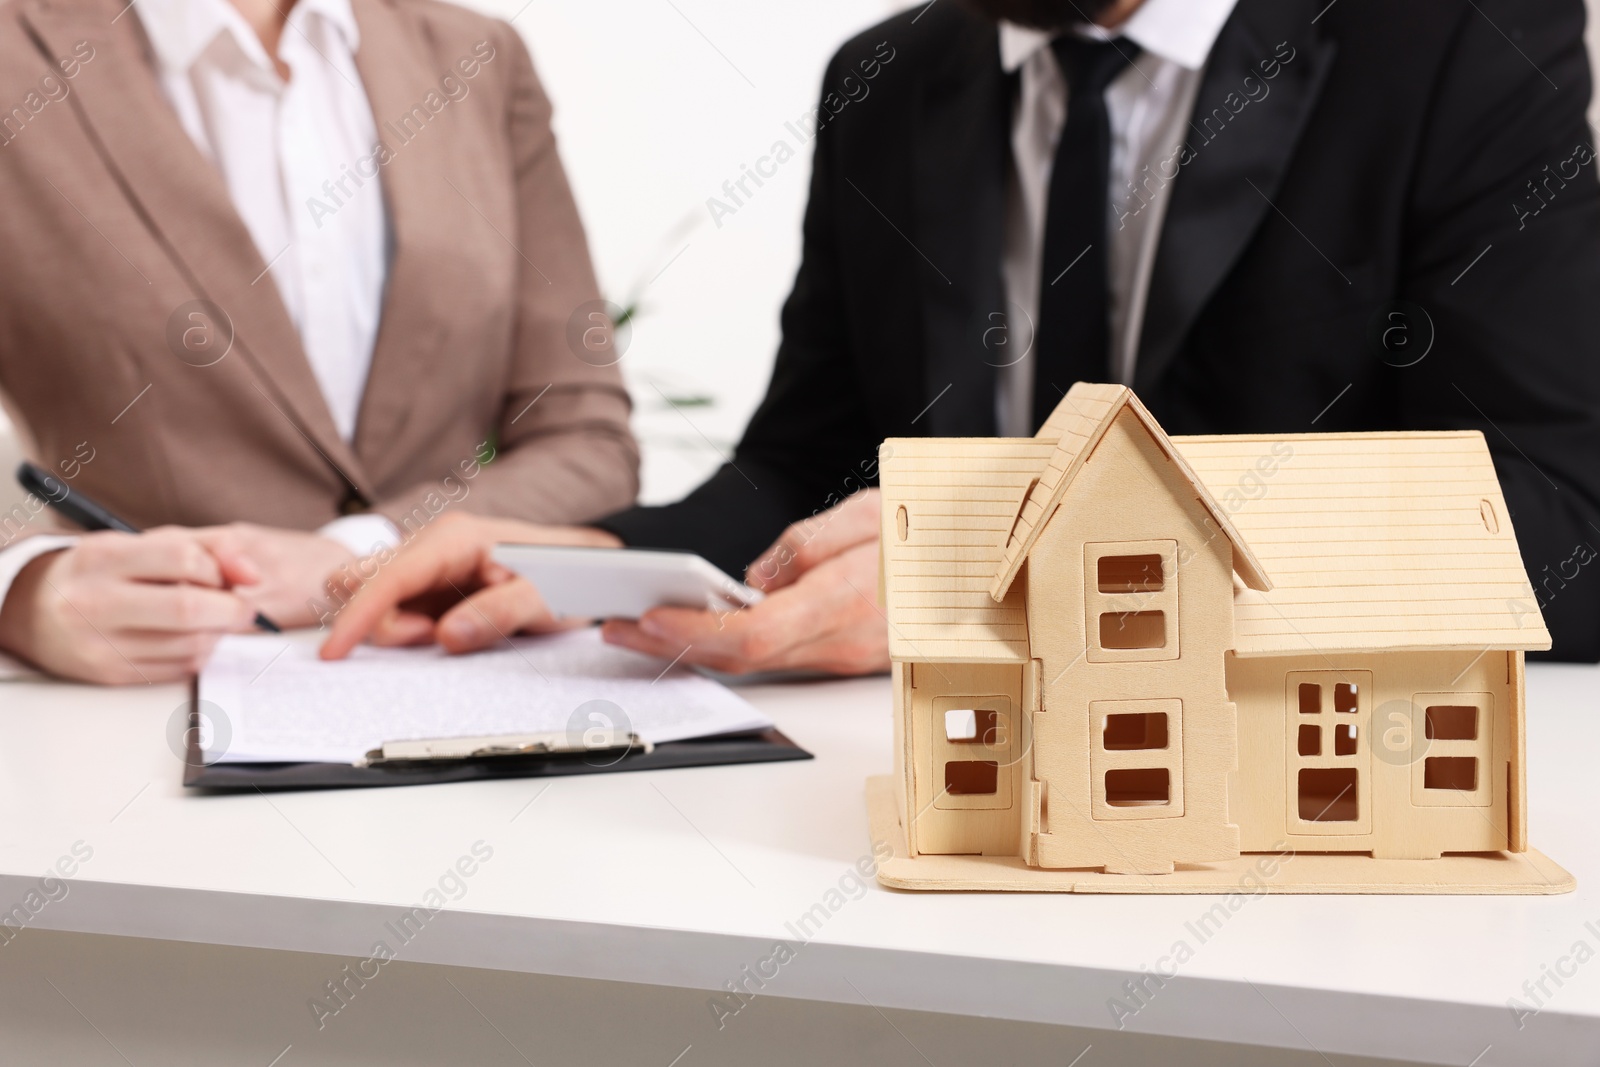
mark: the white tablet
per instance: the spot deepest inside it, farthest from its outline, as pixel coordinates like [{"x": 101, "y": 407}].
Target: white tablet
[{"x": 623, "y": 583}]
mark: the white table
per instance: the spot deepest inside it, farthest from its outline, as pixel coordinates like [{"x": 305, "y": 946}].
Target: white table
[{"x": 674, "y": 882}]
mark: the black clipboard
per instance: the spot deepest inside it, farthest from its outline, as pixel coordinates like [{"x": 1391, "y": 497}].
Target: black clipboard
[{"x": 761, "y": 746}]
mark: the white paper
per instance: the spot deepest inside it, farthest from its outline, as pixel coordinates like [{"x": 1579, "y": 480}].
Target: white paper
[{"x": 267, "y": 698}]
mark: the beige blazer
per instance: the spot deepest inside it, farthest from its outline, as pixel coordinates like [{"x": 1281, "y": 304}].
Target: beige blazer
[{"x": 113, "y": 225}]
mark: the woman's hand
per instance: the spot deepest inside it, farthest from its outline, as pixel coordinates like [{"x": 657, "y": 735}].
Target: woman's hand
[
  {"x": 120, "y": 608},
  {"x": 444, "y": 587},
  {"x": 293, "y": 568}
]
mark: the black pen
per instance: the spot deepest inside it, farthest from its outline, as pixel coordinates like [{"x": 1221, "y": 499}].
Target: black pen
[{"x": 88, "y": 514}]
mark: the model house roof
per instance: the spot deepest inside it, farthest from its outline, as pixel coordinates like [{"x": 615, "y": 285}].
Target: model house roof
[
  {"x": 1375, "y": 542},
  {"x": 1077, "y": 424},
  {"x": 960, "y": 496}
]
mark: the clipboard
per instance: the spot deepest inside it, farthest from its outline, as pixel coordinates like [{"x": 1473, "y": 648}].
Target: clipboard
[{"x": 758, "y": 746}]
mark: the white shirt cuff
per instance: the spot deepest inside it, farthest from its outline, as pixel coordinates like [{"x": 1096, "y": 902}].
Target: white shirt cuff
[
  {"x": 362, "y": 534},
  {"x": 12, "y": 560}
]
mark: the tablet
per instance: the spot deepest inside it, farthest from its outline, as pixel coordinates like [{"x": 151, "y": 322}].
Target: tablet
[{"x": 623, "y": 583}]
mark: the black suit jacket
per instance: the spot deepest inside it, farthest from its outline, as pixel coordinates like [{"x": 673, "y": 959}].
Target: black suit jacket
[{"x": 1428, "y": 159}]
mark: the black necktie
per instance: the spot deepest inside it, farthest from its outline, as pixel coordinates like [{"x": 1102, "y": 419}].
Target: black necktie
[{"x": 1072, "y": 342}]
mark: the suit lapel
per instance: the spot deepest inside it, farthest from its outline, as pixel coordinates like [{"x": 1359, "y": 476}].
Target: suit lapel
[
  {"x": 185, "y": 203},
  {"x": 1221, "y": 194},
  {"x": 960, "y": 151}
]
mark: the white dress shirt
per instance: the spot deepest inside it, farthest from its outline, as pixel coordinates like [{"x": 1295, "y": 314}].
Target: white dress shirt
[
  {"x": 282, "y": 147},
  {"x": 287, "y": 151},
  {"x": 1149, "y": 105}
]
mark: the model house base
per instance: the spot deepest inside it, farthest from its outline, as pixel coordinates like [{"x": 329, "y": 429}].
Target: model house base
[
  {"x": 1123, "y": 659},
  {"x": 1487, "y": 873}
]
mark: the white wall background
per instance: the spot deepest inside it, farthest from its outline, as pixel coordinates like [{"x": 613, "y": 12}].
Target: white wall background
[{"x": 658, "y": 102}]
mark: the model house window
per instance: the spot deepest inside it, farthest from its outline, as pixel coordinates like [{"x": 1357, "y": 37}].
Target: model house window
[
  {"x": 1454, "y": 745},
  {"x": 1141, "y": 730},
  {"x": 1458, "y": 773},
  {"x": 1139, "y": 786},
  {"x": 1136, "y": 758},
  {"x": 971, "y": 778},
  {"x": 1451, "y": 722},
  {"x": 1327, "y": 716},
  {"x": 972, "y": 757},
  {"x": 1131, "y": 574},
  {"x": 981, "y": 728},
  {"x": 1330, "y": 794},
  {"x": 1131, "y": 600},
  {"x": 972, "y": 726},
  {"x": 1317, "y": 804},
  {"x": 1133, "y": 629}
]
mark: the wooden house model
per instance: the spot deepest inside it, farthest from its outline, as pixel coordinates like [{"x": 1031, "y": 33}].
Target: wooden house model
[{"x": 1126, "y": 662}]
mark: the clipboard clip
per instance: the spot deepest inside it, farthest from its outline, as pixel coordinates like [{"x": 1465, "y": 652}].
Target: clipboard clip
[{"x": 443, "y": 749}]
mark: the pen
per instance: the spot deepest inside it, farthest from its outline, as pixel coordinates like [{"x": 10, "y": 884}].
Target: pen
[{"x": 89, "y": 514}]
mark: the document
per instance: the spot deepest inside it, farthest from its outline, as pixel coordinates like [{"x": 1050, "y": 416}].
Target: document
[{"x": 269, "y": 699}]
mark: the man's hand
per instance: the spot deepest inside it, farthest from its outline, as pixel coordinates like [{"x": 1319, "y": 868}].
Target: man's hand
[
  {"x": 444, "y": 587},
  {"x": 821, "y": 612},
  {"x": 810, "y": 542},
  {"x": 120, "y": 608},
  {"x": 826, "y": 620},
  {"x": 294, "y": 567}
]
